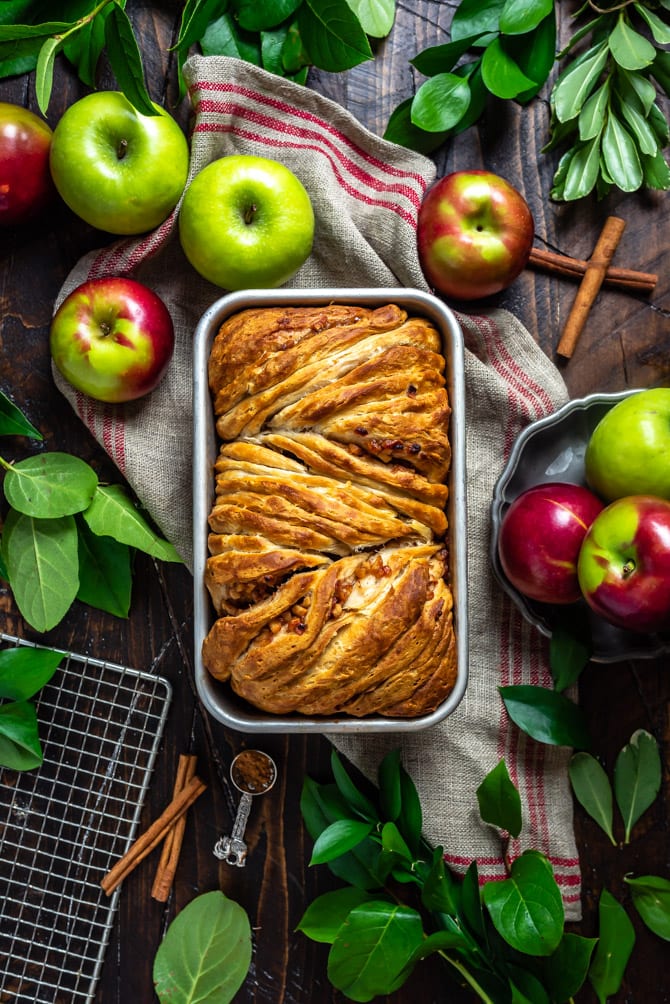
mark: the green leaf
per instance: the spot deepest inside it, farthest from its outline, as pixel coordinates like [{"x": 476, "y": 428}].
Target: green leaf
[
  {"x": 582, "y": 174},
  {"x": 113, "y": 514},
  {"x": 656, "y": 172},
  {"x": 50, "y": 485},
  {"x": 442, "y": 58},
  {"x": 440, "y": 893},
  {"x": 440, "y": 102},
  {"x": 195, "y": 20},
  {"x": 499, "y": 801},
  {"x": 660, "y": 69},
  {"x": 659, "y": 29},
  {"x": 527, "y": 908},
  {"x": 41, "y": 559},
  {"x": 44, "y": 30},
  {"x": 471, "y": 902},
  {"x": 13, "y": 422},
  {"x": 356, "y": 799},
  {"x": 105, "y": 573},
  {"x": 393, "y": 843},
  {"x": 390, "y": 791},
  {"x": 615, "y": 944},
  {"x": 620, "y": 156},
  {"x": 501, "y": 74},
  {"x": 651, "y": 898},
  {"x": 630, "y": 49},
  {"x": 358, "y": 867},
  {"x": 593, "y": 790},
  {"x": 475, "y": 17},
  {"x": 338, "y": 838},
  {"x": 576, "y": 83},
  {"x": 640, "y": 128},
  {"x": 592, "y": 115},
  {"x": 410, "y": 820},
  {"x": 643, "y": 89},
  {"x": 376, "y": 16},
  {"x": 126, "y": 60},
  {"x": 20, "y": 747},
  {"x": 401, "y": 130},
  {"x": 520, "y": 16},
  {"x": 637, "y": 778},
  {"x": 253, "y": 16},
  {"x": 332, "y": 35},
  {"x": 565, "y": 971},
  {"x": 546, "y": 716},
  {"x": 223, "y": 38},
  {"x": 206, "y": 952},
  {"x": 535, "y": 55},
  {"x": 25, "y": 670},
  {"x": 325, "y": 915},
  {"x": 373, "y": 948},
  {"x": 44, "y": 72},
  {"x": 83, "y": 47}
]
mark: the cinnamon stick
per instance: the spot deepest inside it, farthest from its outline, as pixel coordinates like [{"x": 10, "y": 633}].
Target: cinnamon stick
[
  {"x": 169, "y": 859},
  {"x": 574, "y": 268},
  {"x": 153, "y": 836},
  {"x": 590, "y": 285}
]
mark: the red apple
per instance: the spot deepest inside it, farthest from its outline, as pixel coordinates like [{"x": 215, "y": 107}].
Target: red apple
[
  {"x": 474, "y": 235},
  {"x": 540, "y": 536},
  {"x": 25, "y": 178},
  {"x": 624, "y": 564},
  {"x": 112, "y": 339}
]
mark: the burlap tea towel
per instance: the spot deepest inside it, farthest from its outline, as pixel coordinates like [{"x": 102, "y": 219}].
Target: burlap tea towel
[{"x": 366, "y": 195}]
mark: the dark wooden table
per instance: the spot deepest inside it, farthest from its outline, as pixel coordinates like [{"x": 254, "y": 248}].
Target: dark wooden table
[{"x": 626, "y": 344}]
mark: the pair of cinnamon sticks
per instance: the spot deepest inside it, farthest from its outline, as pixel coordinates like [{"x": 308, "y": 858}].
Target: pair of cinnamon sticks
[{"x": 167, "y": 828}]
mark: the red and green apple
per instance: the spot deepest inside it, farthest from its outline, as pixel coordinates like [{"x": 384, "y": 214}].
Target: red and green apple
[
  {"x": 474, "y": 234},
  {"x": 26, "y": 186},
  {"x": 112, "y": 338},
  {"x": 624, "y": 564}
]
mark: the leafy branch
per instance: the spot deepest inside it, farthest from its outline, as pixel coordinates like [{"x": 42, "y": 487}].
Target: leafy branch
[
  {"x": 604, "y": 103},
  {"x": 505, "y": 940},
  {"x": 285, "y": 37},
  {"x": 65, "y": 535}
]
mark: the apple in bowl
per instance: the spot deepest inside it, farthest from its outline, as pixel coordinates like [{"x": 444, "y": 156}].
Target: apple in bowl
[
  {"x": 540, "y": 537},
  {"x": 112, "y": 338},
  {"x": 474, "y": 234},
  {"x": 624, "y": 564}
]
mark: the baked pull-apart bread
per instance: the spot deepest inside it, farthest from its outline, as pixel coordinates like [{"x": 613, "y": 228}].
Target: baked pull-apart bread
[{"x": 328, "y": 568}]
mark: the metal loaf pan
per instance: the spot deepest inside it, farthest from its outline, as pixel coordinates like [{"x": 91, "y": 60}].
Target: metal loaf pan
[{"x": 219, "y": 699}]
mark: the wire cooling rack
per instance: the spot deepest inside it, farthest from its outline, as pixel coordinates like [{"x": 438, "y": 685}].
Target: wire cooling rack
[{"x": 62, "y": 826}]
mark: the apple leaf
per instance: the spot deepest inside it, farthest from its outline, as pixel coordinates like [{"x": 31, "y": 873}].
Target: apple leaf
[
  {"x": 254, "y": 16},
  {"x": 593, "y": 790},
  {"x": 113, "y": 514},
  {"x": 84, "y": 46},
  {"x": 615, "y": 943},
  {"x": 338, "y": 838},
  {"x": 50, "y": 485},
  {"x": 13, "y": 422},
  {"x": 44, "y": 72},
  {"x": 501, "y": 73},
  {"x": 25, "y": 670},
  {"x": 651, "y": 898},
  {"x": 20, "y": 747},
  {"x": 126, "y": 60},
  {"x": 105, "y": 573},
  {"x": 527, "y": 908},
  {"x": 637, "y": 778},
  {"x": 441, "y": 102},
  {"x": 325, "y": 915},
  {"x": 41, "y": 560},
  {"x": 376, "y": 16},
  {"x": 332, "y": 35},
  {"x": 499, "y": 800},
  {"x": 569, "y": 653},
  {"x": 206, "y": 952},
  {"x": 546, "y": 716}
]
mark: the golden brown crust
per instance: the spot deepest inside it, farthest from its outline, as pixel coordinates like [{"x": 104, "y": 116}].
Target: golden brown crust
[{"x": 327, "y": 566}]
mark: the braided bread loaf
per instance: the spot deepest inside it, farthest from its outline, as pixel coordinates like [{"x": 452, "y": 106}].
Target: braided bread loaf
[{"x": 328, "y": 567}]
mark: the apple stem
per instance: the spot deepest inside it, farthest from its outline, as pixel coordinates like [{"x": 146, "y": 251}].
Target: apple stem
[
  {"x": 122, "y": 149},
  {"x": 250, "y": 212},
  {"x": 628, "y": 569}
]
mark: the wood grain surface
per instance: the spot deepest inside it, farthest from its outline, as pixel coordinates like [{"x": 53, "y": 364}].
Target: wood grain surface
[{"x": 625, "y": 344}]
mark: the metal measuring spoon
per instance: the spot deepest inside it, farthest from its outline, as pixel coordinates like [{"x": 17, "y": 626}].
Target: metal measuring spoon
[{"x": 253, "y": 773}]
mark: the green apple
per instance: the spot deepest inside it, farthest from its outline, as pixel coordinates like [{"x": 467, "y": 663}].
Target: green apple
[
  {"x": 246, "y": 222},
  {"x": 628, "y": 452},
  {"x": 119, "y": 170}
]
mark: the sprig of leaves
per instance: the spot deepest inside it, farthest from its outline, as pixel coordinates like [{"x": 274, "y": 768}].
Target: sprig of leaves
[
  {"x": 604, "y": 103},
  {"x": 65, "y": 535},
  {"x": 285, "y": 37},
  {"x": 23, "y": 672}
]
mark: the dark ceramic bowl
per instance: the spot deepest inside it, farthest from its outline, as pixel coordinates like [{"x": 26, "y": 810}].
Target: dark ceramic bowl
[{"x": 552, "y": 449}]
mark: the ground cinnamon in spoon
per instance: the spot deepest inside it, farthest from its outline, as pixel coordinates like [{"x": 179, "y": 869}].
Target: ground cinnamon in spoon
[{"x": 253, "y": 771}]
